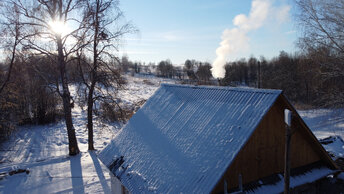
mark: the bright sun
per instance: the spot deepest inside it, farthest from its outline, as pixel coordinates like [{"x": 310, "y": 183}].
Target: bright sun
[{"x": 58, "y": 27}]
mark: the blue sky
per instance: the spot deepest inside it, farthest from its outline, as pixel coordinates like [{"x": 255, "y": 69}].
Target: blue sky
[{"x": 192, "y": 29}]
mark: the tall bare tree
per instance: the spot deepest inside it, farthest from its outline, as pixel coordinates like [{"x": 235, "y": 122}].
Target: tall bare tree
[
  {"x": 322, "y": 23},
  {"x": 103, "y": 19},
  {"x": 44, "y": 24},
  {"x": 10, "y": 38},
  {"x": 10, "y": 29}
]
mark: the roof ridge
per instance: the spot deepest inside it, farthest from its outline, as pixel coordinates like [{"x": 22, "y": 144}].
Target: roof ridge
[{"x": 239, "y": 89}]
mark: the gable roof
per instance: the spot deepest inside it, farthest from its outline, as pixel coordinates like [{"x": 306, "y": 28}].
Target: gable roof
[{"x": 185, "y": 137}]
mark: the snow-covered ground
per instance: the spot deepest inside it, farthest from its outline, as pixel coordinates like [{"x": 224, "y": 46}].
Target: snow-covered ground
[
  {"x": 43, "y": 150},
  {"x": 83, "y": 173},
  {"x": 327, "y": 123},
  {"x": 141, "y": 88}
]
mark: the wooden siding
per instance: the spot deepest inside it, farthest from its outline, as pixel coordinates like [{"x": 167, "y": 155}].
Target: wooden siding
[{"x": 263, "y": 154}]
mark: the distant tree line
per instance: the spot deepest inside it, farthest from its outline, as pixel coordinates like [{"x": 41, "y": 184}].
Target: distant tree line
[
  {"x": 198, "y": 72},
  {"x": 305, "y": 79},
  {"x": 309, "y": 78},
  {"x": 191, "y": 72}
]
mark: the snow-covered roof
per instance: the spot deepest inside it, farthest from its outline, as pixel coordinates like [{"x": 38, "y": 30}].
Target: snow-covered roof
[{"x": 184, "y": 137}]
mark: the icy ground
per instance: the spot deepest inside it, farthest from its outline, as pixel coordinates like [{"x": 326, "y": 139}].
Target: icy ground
[{"x": 43, "y": 151}]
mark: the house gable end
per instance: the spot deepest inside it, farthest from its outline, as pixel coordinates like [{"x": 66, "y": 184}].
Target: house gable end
[{"x": 263, "y": 154}]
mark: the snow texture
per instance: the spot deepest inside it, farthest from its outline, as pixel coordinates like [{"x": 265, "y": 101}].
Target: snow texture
[
  {"x": 43, "y": 150},
  {"x": 184, "y": 137},
  {"x": 141, "y": 88},
  {"x": 324, "y": 122},
  {"x": 295, "y": 181},
  {"x": 327, "y": 125},
  {"x": 334, "y": 145},
  {"x": 83, "y": 173}
]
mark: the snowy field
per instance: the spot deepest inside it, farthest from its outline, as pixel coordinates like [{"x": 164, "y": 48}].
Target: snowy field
[
  {"x": 42, "y": 151},
  {"x": 327, "y": 123}
]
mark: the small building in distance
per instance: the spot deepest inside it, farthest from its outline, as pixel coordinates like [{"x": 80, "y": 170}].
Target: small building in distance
[{"x": 200, "y": 139}]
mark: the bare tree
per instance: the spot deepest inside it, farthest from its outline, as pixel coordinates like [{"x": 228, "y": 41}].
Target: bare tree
[
  {"x": 204, "y": 73},
  {"x": 103, "y": 19},
  {"x": 323, "y": 40},
  {"x": 165, "y": 69},
  {"x": 322, "y": 23},
  {"x": 45, "y": 31},
  {"x": 11, "y": 36},
  {"x": 189, "y": 67}
]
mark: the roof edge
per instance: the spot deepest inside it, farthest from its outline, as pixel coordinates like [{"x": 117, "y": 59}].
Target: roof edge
[{"x": 271, "y": 91}]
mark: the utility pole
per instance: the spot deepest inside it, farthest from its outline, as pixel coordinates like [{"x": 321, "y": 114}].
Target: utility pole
[{"x": 288, "y": 121}]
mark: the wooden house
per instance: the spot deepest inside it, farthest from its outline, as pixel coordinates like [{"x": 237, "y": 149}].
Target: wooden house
[{"x": 197, "y": 139}]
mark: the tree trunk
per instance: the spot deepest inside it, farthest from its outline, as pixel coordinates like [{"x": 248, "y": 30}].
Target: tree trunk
[
  {"x": 307, "y": 92},
  {"x": 73, "y": 144},
  {"x": 90, "y": 117},
  {"x": 90, "y": 100}
]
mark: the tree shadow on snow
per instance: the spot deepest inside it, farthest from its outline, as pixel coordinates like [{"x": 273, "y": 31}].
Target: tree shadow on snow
[
  {"x": 100, "y": 173},
  {"x": 76, "y": 170}
]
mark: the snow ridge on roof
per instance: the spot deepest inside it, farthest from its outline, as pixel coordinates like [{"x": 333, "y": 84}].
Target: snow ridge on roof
[
  {"x": 242, "y": 89},
  {"x": 184, "y": 137}
]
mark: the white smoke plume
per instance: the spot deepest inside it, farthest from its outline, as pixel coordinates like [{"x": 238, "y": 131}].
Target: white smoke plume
[{"x": 236, "y": 39}]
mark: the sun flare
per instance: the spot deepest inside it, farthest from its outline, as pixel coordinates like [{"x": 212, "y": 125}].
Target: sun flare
[{"x": 59, "y": 27}]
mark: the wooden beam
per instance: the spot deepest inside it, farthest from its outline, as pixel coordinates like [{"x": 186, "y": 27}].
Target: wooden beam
[{"x": 288, "y": 134}]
